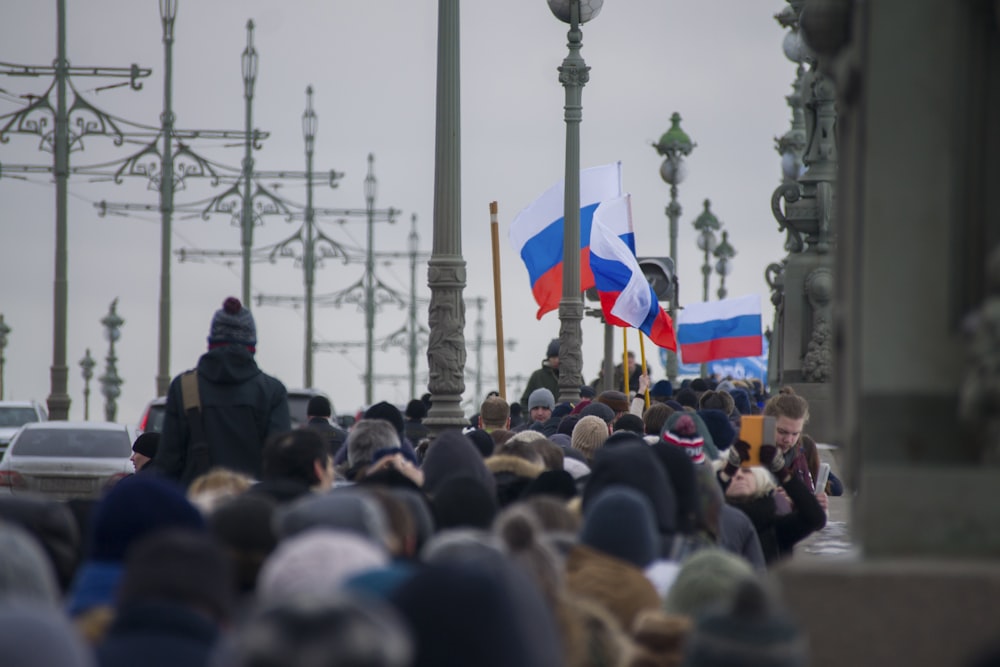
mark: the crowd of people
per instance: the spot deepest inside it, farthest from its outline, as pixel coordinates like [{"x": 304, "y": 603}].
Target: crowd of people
[{"x": 606, "y": 532}]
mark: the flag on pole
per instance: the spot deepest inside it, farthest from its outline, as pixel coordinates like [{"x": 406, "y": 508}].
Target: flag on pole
[
  {"x": 627, "y": 298},
  {"x": 537, "y": 233},
  {"x": 720, "y": 329}
]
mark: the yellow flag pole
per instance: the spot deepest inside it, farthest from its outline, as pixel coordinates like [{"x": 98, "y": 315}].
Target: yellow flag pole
[
  {"x": 498, "y": 309},
  {"x": 645, "y": 370},
  {"x": 625, "y": 359}
]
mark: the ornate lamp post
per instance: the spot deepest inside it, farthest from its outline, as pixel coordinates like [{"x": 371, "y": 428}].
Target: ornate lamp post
[
  {"x": 309, "y": 125},
  {"x": 446, "y": 269},
  {"x": 4, "y": 330},
  {"x": 724, "y": 253},
  {"x": 573, "y": 75},
  {"x": 249, "y": 67},
  {"x": 674, "y": 145},
  {"x": 168, "y": 12},
  {"x": 110, "y": 382},
  {"x": 87, "y": 370},
  {"x": 706, "y": 224}
]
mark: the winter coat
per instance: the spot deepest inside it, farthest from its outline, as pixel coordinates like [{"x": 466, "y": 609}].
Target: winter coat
[
  {"x": 333, "y": 434},
  {"x": 241, "y": 407},
  {"x": 779, "y": 533},
  {"x": 155, "y": 634}
]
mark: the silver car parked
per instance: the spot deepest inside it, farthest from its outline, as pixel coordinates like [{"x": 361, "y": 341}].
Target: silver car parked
[
  {"x": 66, "y": 459},
  {"x": 14, "y": 415}
]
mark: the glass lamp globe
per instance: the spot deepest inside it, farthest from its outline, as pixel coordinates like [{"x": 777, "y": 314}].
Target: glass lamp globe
[
  {"x": 706, "y": 241},
  {"x": 794, "y": 48},
  {"x": 589, "y": 9},
  {"x": 723, "y": 267},
  {"x": 673, "y": 174}
]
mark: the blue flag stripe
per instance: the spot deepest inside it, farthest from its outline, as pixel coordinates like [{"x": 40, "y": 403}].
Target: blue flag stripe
[{"x": 744, "y": 325}]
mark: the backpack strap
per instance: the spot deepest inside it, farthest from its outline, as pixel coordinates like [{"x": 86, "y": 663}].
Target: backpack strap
[{"x": 192, "y": 411}]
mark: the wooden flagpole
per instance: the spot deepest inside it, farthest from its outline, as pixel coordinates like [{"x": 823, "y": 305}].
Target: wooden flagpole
[
  {"x": 497, "y": 304},
  {"x": 625, "y": 359},
  {"x": 645, "y": 369}
]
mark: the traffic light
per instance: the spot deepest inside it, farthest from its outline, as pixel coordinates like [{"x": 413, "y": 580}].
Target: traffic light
[{"x": 659, "y": 271}]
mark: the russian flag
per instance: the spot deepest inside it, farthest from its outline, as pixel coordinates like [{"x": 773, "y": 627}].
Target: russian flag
[
  {"x": 627, "y": 298},
  {"x": 537, "y": 233},
  {"x": 720, "y": 329}
]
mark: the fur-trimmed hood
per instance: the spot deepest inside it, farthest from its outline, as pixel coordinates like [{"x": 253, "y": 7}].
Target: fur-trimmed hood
[{"x": 514, "y": 465}]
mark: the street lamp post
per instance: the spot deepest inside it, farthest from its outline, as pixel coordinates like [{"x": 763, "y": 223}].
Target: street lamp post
[
  {"x": 573, "y": 75},
  {"x": 168, "y": 12},
  {"x": 309, "y": 126},
  {"x": 446, "y": 274},
  {"x": 4, "y": 331},
  {"x": 249, "y": 67},
  {"x": 724, "y": 253},
  {"x": 87, "y": 370},
  {"x": 706, "y": 224},
  {"x": 674, "y": 145},
  {"x": 110, "y": 382}
]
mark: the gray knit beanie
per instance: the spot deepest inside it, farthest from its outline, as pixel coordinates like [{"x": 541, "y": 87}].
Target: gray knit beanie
[
  {"x": 232, "y": 324},
  {"x": 541, "y": 398}
]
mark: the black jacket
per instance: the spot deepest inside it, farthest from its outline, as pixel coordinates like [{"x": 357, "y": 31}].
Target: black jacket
[
  {"x": 333, "y": 434},
  {"x": 779, "y": 533},
  {"x": 241, "y": 406}
]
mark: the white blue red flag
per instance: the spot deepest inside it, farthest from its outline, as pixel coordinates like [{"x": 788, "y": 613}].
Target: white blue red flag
[
  {"x": 720, "y": 329},
  {"x": 627, "y": 298},
  {"x": 537, "y": 233}
]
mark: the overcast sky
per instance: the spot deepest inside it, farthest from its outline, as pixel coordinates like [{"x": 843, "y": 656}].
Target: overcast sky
[{"x": 718, "y": 63}]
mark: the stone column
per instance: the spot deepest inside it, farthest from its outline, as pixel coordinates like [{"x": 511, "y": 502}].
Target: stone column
[
  {"x": 446, "y": 268},
  {"x": 916, "y": 322}
]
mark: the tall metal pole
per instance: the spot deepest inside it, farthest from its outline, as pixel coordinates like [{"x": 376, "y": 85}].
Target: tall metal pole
[
  {"x": 110, "y": 382},
  {"x": 249, "y": 66},
  {"x": 168, "y": 12},
  {"x": 309, "y": 126},
  {"x": 706, "y": 225},
  {"x": 4, "y": 331},
  {"x": 446, "y": 269},
  {"x": 573, "y": 75},
  {"x": 724, "y": 253},
  {"x": 87, "y": 365},
  {"x": 370, "y": 279},
  {"x": 478, "y": 396},
  {"x": 674, "y": 145},
  {"x": 58, "y": 400},
  {"x": 411, "y": 348}
]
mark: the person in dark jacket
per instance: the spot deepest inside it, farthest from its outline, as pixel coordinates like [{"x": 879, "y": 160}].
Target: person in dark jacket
[
  {"x": 319, "y": 418},
  {"x": 547, "y": 376},
  {"x": 174, "y": 596},
  {"x": 779, "y": 524},
  {"x": 240, "y": 405}
]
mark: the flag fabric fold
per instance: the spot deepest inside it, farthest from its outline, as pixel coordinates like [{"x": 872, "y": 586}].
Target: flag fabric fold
[
  {"x": 536, "y": 233},
  {"x": 627, "y": 298},
  {"x": 724, "y": 329}
]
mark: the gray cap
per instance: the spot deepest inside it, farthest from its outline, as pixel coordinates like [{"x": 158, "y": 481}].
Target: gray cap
[{"x": 541, "y": 398}]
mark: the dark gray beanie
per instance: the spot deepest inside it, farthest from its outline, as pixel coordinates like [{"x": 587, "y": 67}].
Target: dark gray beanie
[{"x": 233, "y": 324}]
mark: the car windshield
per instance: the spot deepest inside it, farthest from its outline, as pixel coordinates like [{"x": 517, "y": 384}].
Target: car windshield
[
  {"x": 66, "y": 443},
  {"x": 297, "y": 404},
  {"x": 154, "y": 420},
  {"x": 16, "y": 416}
]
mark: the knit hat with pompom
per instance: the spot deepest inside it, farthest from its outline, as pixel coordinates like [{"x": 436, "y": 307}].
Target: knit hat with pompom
[
  {"x": 684, "y": 433},
  {"x": 233, "y": 325}
]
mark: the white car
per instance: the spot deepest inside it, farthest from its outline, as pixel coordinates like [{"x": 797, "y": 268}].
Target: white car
[
  {"x": 14, "y": 415},
  {"x": 67, "y": 459}
]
